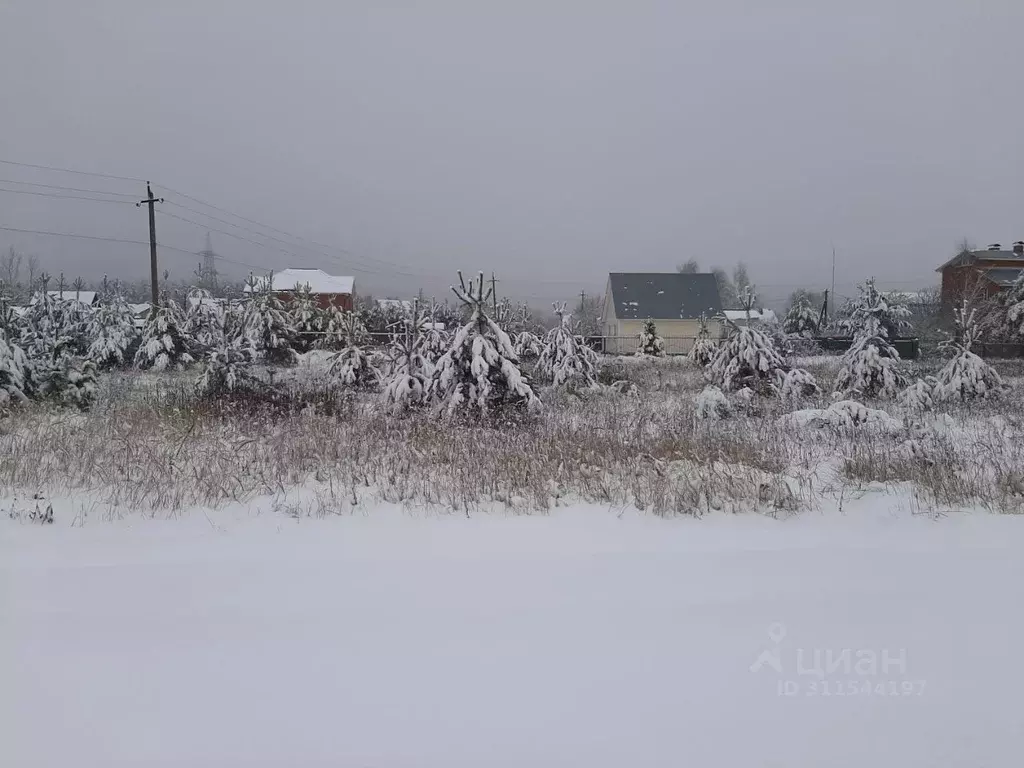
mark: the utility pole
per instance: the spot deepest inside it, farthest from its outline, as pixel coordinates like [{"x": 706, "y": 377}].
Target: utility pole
[
  {"x": 494, "y": 292},
  {"x": 153, "y": 276},
  {"x": 833, "y": 276}
]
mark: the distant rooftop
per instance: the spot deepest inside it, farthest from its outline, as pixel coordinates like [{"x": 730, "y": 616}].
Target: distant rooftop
[
  {"x": 317, "y": 280},
  {"x": 664, "y": 295}
]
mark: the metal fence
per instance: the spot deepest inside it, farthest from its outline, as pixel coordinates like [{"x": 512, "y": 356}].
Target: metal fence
[
  {"x": 626, "y": 345},
  {"x": 998, "y": 350}
]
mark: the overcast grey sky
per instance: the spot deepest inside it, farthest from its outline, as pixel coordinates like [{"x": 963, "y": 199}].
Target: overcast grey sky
[{"x": 549, "y": 140}]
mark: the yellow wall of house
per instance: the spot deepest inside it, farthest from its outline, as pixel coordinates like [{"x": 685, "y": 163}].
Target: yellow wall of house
[{"x": 678, "y": 334}]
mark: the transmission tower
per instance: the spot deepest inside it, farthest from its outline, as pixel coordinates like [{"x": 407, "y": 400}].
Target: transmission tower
[{"x": 208, "y": 275}]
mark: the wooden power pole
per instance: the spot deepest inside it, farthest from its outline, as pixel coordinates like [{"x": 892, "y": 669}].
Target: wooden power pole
[
  {"x": 153, "y": 276},
  {"x": 494, "y": 293}
]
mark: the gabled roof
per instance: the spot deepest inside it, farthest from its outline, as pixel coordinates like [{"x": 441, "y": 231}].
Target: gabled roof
[
  {"x": 1003, "y": 276},
  {"x": 664, "y": 295},
  {"x": 86, "y": 297},
  {"x": 966, "y": 258},
  {"x": 317, "y": 280}
]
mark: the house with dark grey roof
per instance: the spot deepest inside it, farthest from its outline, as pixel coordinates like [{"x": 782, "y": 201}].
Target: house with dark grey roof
[
  {"x": 979, "y": 274},
  {"x": 673, "y": 300}
]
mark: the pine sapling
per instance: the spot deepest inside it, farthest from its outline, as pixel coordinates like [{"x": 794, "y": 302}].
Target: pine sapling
[
  {"x": 165, "y": 344},
  {"x": 479, "y": 374},
  {"x": 649, "y": 343},
  {"x": 704, "y": 348},
  {"x": 566, "y": 360},
  {"x": 871, "y": 366},
  {"x": 966, "y": 376}
]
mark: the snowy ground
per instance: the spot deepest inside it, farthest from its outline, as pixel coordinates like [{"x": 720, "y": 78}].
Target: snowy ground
[{"x": 581, "y": 638}]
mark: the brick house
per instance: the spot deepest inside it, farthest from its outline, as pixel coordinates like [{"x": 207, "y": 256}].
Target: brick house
[
  {"x": 980, "y": 274},
  {"x": 327, "y": 289}
]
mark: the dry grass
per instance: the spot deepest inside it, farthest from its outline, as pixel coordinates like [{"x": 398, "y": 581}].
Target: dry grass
[{"x": 150, "y": 446}]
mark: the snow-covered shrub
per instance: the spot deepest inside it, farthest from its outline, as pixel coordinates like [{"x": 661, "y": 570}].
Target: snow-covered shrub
[
  {"x": 341, "y": 328},
  {"x": 798, "y": 384},
  {"x": 353, "y": 368},
  {"x": 919, "y": 396},
  {"x": 801, "y": 319},
  {"x": 871, "y": 366},
  {"x": 66, "y": 379},
  {"x": 891, "y": 315},
  {"x": 165, "y": 344},
  {"x": 528, "y": 346},
  {"x": 480, "y": 371},
  {"x": 268, "y": 327},
  {"x": 649, "y": 343},
  {"x": 966, "y": 376},
  {"x": 227, "y": 370},
  {"x": 12, "y": 374},
  {"x": 307, "y": 317},
  {"x": 711, "y": 404},
  {"x": 410, "y": 368},
  {"x": 704, "y": 348},
  {"x": 566, "y": 360},
  {"x": 844, "y": 414},
  {"x": 112, "y": 331},
  {"x": 748, "y": 359},
  {"x": 204, "y": 319}
]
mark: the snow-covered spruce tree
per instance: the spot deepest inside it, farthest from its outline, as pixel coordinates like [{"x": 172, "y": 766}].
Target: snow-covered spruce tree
[
  {"x": 649, "y": 343},
  {"x": 966, "y": 376},
  {"x": 704, "y": 348},
  {"x": 410, "y": 368},
  {"x": 566, "y": 360},
  {"x": 748, "y": 358},
  {"x": 340, "y": 327},
  {"x": 1005, "y": 321},
  {"x": 527, "y": 346},
  {"x": 13, "y": 366},
  {"x": 480, "y": 374},
  {"x": 919, "y": 396},
  {"x": 228, "y": 370},
  {"x": 435, "y": 338},
  {"x": 801, "y": 319},
  {"x": 351, "y": 366},
  {"x": 165, "y": 345},
  {"x": 871, "y": 366},
  {"x": 307, "y": 317},
  {"x": 65, "y": 378},
  {"x": 891, "y": 315},
  {"x": 112, "y": 330},
  {"x": 268, "y": 328},
  {"x": 204, "y": 318}
]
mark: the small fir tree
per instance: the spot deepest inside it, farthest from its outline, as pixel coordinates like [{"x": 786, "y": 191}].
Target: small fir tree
[
  {"x": 410, "y": 368},
  {"x": 307, "y": 318},
  {"x": 165, "y": 345},
  {"x": 268, "y": 327},
  {"x": 480, "y": 374},
  {"x": 704, "y": 348},
  {"x": 566, "y": 360},
  {"x": 1005, "y": 320},
  {"x": 966, "y": 376},
  {"x": 802, "y": 319},
  {"x": 351, "y": 366},
  {"x": 649, "y": 343},
  {"x": 228, "y": 370},
  {"x": 112, "y": 329},
  {"x": 13, "y": 371},
  {"x": 204, "y": 318},
  {"x": 748, "y": 358},
  {"x": 871, "y": 366},
  {"x": 528, "y": 346}
]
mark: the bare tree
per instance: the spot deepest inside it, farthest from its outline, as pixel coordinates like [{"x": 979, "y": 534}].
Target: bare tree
[
  {"x": 10, "y": 267},
  {"x": 689, "y": 267},
  {"x": 33, "y": 270}
]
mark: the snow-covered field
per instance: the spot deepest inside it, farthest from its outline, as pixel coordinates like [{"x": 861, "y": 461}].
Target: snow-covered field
[{"x": 586, "y": 637}]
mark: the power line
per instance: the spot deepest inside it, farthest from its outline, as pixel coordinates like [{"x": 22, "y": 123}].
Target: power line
[
  {"x": 283, "y": 232},
  {"x": 70, "y": 170},
  {"x": 59, "y": 196},
  {"x": 67, "y": 189},
  {"x": 89, "y": 237}
]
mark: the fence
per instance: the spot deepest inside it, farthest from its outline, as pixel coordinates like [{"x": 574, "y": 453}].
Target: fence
[{"x": 998, "y": 350}]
